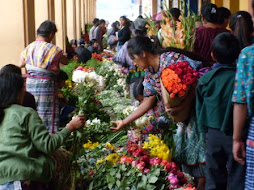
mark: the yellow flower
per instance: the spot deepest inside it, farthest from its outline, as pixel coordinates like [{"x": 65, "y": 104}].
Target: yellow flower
[
  {"x": 68, "y": 83},
  {"x": 157, "y": 148},
  {"x": 90, "y": 145},
  {"x": 99, "y": 161},
  {"x": 110, "y": 146},
  {"x": 112, "y": 158}
]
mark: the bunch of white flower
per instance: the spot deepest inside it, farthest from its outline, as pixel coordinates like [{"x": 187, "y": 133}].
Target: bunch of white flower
[
  {"x": 127, "y": 111},
  {"x": 89, "y": 78},
  {"x": 94, "y": 122},
  {"x": 79, "y": 76},
  {"x": 142, "y": 121}
]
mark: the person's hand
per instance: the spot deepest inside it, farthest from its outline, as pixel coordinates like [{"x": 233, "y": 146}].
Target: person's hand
[
  {"x": 239, "y": 151},
  {"x": 76, "y": 122},
  {"x": 119, "y": 125},
  {"x": 174, "y": 110},
  {"x": 65, "y": 54},
  {"x": 115, "y": 39}
]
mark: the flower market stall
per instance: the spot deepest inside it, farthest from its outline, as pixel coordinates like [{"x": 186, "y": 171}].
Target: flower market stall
[{"x": 105, "y": 160}]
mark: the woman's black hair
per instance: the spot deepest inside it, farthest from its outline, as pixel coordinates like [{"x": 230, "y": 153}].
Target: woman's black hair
[
  {"x": 138, "y": 88},
  {"x": 10, "y": 88},
  {"x": 96, "y": 21},
  {"x": 62, "y": 76},
  {"x": 226, "y": 48},
  {"x": 10, "y": 68},
  {"x": 175, "y": 12},
  {"x": 210, "y": 13},
  {"x": 46, "y": 28},
  {"x": 115, "y": 25},
  {"x": 223, "y": 13},
  {"x": 139, "y": 44},
  {"x": 242, "y": 25},
  {"x": 102, "y": 21},
  {"x": 127, "y": 22},
  {"x": 92, "y": 41},
  {"x": 73, "y": 41},
  {"x": 71, "y": 55},
  {"x": 152, "y": 45}
]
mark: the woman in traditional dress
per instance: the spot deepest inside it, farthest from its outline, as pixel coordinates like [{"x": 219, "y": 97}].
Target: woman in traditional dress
[
  {"x": 146, "y": 54},
  {"x": 42, "y": 60}
]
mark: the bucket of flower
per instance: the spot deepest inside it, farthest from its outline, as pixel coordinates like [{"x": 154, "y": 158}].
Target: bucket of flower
[
  {"x": 145, "y": 166},
  {"x": 177, "y": 81}
]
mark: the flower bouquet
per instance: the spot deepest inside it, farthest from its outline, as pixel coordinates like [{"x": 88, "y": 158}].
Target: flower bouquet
[
  {"x": 176, "y": 81},
  {"x": 136, "y": 127},
  {"x": 179, "y": 34}
]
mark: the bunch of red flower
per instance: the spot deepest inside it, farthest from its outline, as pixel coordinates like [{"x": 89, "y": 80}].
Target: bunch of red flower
[
  {"x": 185, "y": 72},
  {"x": 177, "y": 77},
  {"x": 176, "y": 178},
  {"x": 97, "y": 56}
]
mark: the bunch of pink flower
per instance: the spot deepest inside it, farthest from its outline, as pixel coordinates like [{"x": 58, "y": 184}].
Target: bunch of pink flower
[{"x": 144, "y": 163}]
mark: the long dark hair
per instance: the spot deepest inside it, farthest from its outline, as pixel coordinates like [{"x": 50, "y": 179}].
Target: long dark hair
[
  {"x": 210, "y": 13},
  {"x": 242, "y": 25},
  {"x": 46, "y": 28},
  {"x": 10, "y": 88},
  {"x": 152, "y": 45}
]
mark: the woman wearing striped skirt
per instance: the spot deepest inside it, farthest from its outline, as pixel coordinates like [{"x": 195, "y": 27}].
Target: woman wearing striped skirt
[{"x": 42, "y": 61}]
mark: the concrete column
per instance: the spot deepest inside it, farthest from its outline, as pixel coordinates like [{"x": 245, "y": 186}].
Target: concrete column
[
  {"x": 12, "y": 32},
  {"x": 82, "y": 13},
  {"x": 78, "y": 18},
  {"x": 60, "y": 19},
  {"x": 219, "y": 3},
  {"x": 154, "y": 7},
  {"x": 232, "y": 5},
  {"x": 29, "y": 21},
  {"x": 71, "y": 19},
  {"x": 41, "y": 12}
]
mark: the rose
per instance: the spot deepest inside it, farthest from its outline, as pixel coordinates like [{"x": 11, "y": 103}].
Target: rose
[
  {"x": 91, "y": 172},
  {"x": 146, "y": 171},
  {"x": 164, "y": 162},
  {"x": 138, "y": 152},
  {"x": 134, "y": 163},
  {"x": 157, "y": 161},
  {"x": 141, "y": 165},
  {"x": 174, "y": 168},
  {"x": 152, "y": 161},
  {"x": 168, "y": 167},
  {"x": 173, "y": 179},
  {"x": 145, "y": 159}
]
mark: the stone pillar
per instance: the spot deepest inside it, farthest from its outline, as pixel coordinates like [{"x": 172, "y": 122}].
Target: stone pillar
[
  {"x": 60, "y": 19},
  {"x": 71, "y": 19},
  {"x": 78, "y": 19},
  {"x": 154, "y": 7},
  {"x": 41, "y": 12},
  {"x": 12, "y": 31},
  {"x": 232, "y": 5},
  {"x": 219, "y": 3},
  {"x": 29, "y": 21}
]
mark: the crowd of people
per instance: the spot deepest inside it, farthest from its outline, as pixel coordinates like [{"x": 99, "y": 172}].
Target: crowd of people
[{"x": 215, "y": 144}]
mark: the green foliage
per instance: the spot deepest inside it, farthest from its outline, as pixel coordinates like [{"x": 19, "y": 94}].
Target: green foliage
[
  {"x": 69, "y": 68},
  {"x": 94, "y": 63}
]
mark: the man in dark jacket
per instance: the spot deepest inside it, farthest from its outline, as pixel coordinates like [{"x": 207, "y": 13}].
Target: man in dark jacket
[{"x": 83, "y": 53}]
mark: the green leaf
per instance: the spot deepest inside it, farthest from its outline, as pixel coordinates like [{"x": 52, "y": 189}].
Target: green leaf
[
  {"x": 118, "y": 183},
  {"x": 91, "y": 186},
  {"x": 156, "y": 172},
  {"x": 123, "y": 167},
  {"x": 118, "y": 175},
  {"x": 151, "y": 187},
  {"x": 112, "y": 172},
  {"x": 152, "y": 179}
]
